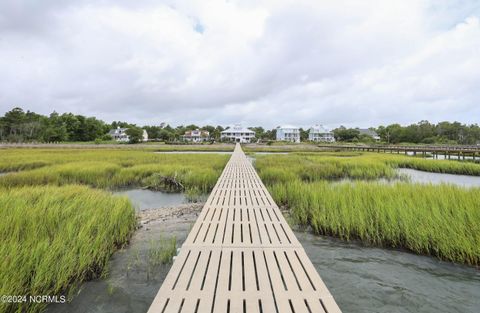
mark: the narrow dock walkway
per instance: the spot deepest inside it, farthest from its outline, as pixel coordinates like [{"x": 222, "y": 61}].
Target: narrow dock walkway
[{"x": 241, "y": 256}]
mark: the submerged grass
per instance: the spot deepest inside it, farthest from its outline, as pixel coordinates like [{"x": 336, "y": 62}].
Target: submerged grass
[
  {"x": 52, "y": 238},
  {"x": 162, "y": 251}
]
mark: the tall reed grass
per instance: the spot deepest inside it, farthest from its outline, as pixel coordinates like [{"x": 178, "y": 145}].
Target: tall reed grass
[
  {"x": 360, "y": 166},
  {"x": 443, "y": 220},
  {"x": 313, "y": 167},
  {"x": 53, "y": 238},
  {"x": 108, "y": 168}
]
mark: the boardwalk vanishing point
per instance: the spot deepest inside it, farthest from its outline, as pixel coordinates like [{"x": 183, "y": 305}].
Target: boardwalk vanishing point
[{"x": 241, "y": 256}]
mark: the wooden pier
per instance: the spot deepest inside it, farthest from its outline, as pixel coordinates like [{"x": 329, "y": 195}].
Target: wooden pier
[
  {"x": 447, "y": 152},
  {"x": 241, "y": 256}
]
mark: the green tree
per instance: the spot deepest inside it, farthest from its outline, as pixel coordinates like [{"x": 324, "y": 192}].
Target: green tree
[
  {"x": 54, "y": 129},
  {"x": 135, "y": 134},
  {"x": 167, "y": 134},
  {"x": 303, "y": 134},
  {"x": 346, "y": 134}
]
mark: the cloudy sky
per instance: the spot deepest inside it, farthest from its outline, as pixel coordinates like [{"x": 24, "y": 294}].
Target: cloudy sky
[{"x": 301, "y": 62}]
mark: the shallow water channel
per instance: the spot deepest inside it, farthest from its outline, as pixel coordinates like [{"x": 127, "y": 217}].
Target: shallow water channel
[
  {"x": 364, "y": 279},
  {"x": 440, "y": 178},
  {"x": 143, "y": 199}
]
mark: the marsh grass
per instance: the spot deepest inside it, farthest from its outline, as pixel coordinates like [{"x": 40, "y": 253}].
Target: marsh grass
[
  {"x": 439, "y": 220},
  {"x": 159, "y": 252},
  {"x": 53, "y": 238},
  {"x": 162, "y": 251},
  {"x": 109, "y": 168},
  {"x": 313, "y": 167},
  {"x": 310, "y": 167}
]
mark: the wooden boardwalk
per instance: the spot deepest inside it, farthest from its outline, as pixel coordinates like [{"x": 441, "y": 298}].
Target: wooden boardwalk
[{"x": 241, "y": 256}]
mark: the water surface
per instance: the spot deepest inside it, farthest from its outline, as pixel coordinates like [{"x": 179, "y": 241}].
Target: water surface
[
  {"x": 143, "y": 199},
  {"x": 417, "y": 176},
  {"x": 364, "y": 279}
]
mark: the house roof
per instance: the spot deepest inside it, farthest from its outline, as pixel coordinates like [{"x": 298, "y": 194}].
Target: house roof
[
  {"x": 237, "y": 129},
  {"x": 319, "y": 129},
  {"x": 287, "y": 127},
  {"x": 117, "y": 130}
]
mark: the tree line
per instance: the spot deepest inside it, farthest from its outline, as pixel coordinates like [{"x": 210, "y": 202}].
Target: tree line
[
  {"x": 422, "y": 132},
  {"x": 18, "y": 125}
]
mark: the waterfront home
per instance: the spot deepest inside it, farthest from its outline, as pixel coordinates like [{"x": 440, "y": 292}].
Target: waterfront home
[
  {"x": 319, "y": 133},
  {"x": 120, "y": 134},
  {"x": 196, "y": 135},
  {"x": 369, "y": 132},
  {"x": 288, "y": 133},
  {"x": 237, "y": 133}
]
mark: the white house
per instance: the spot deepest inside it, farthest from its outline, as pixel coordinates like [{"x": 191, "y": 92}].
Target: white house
[
  {"x": 320, "y": 133},
  {"x": 120, "y": 134},
  {"x": 237, "y": 133},
  {"x": 196, "y": 135},
  {"x": 370, "y": 133},
  {"x": 288, "y": 133}
]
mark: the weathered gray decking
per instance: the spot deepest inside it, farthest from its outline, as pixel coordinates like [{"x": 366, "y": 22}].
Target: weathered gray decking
[{"x": 241, "y": 255}]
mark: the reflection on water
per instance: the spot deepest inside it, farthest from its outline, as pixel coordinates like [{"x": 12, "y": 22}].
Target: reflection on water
[
  {"x": 143, "y": 199},
  {"x": 438, "y": 178},
  {"x": 364, "y": 279}
]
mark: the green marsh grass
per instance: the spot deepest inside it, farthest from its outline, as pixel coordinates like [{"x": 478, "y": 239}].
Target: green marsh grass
[
  {"x": 52, "y": 238},
  {"x": 438, "y": 220},
  {"x": 341, "y": 165},
  {"x": 313, "y": 167},
  {"x": 109, "y": 168}
]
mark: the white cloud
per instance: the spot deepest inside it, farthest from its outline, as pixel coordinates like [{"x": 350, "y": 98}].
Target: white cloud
[{"x": 259, "y": 62}]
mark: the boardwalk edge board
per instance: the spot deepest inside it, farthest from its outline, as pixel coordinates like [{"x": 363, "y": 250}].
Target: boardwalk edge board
[{"x": 242, "y": 256}]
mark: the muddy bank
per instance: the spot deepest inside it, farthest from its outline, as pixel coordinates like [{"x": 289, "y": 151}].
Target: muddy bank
[{"x": 184, "y": 211}]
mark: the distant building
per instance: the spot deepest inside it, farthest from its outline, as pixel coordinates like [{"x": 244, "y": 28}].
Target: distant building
[
  {"x": 196, "y": 135},
  {"x": 237, "y": 133},
  {"x": 320, "y": 134},
  {"x": 288, "y": 133},
  {"x": 120, "y": 134},
  {"x": 370, "y": 133}
]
